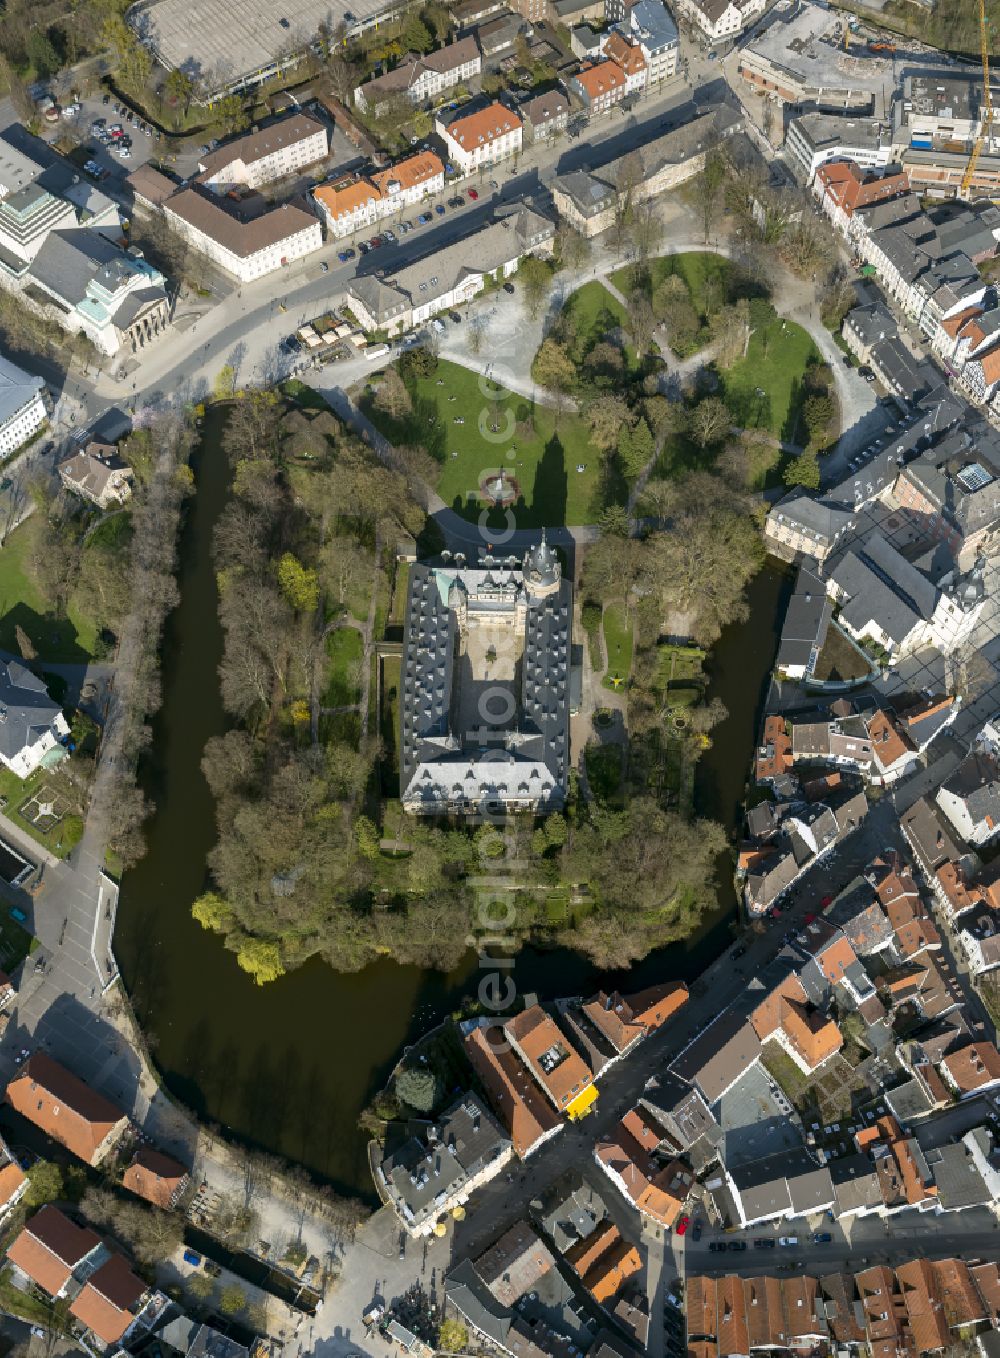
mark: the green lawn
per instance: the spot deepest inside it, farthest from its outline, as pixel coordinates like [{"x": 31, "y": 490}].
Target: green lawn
[
  {"x": 617, "y": 644},
  {"x": 779, "y": 354},
  {"x": 542, "y": 462},
  {"x": 56, "y": 639},
  {"x": 344, "y": 648}
]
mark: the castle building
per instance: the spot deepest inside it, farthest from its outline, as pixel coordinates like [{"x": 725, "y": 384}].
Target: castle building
[{"x": 485, "y": 686}]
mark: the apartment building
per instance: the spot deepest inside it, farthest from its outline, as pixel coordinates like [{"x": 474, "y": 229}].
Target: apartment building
[
  {"x": 843, "y": 187},
  {"x": 348, "y": 205},
  {"x": 629, "y": 56},
  {"x": 246, "y": 248},
  {"x": 599, "y": 86},
  {"x": 22, "y": 406},
  {"x": 561, "y": 1072},
  {"x": 283, "y": 148},
  {"x": 720, "y": 20},
  {"x": 481, "y": 139},
  {"x": 651, "y": 25},
  {"x": 544, "y": 115},
  {"x": 524, "y": 1111},
  {"x": 423, "y": 78}
]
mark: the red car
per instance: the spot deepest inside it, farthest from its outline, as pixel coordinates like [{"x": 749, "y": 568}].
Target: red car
[
  {"x": 683, "y": 1224},
  {"x": 473, "y": 194},
  {"x": 827, "y": 900},
  {"x": 775, "y": 912},
  {"x": 809, "y": 917}
]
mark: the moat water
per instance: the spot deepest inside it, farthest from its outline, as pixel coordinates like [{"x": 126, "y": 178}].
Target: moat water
[{"x": 290, "y": 1066}]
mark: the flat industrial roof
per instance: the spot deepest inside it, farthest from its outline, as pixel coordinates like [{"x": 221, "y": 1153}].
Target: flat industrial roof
[{"x": 223, "y": 42}]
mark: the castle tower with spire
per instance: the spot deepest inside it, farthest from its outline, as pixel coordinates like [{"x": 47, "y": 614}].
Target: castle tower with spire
[{"x": 542, "y": 570}]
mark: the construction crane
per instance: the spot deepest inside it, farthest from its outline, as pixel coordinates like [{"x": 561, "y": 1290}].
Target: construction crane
[{"x": 986, "y": 125}]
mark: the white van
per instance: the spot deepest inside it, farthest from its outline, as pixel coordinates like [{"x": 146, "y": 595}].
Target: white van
[
  {"x": 379, "y": 351},
  {"x": 787, "y": 1241}
]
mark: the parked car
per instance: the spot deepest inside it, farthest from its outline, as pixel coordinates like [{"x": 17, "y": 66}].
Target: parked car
[
  {"x": 822, "y": 1238},
  {"x": 716, "y": 1247},
  {"x": 424, "y": 218},
  {"x": 438, "y": 325},
  {"x": 788, "y": 1241},
  {"x": 454, "y": 316},
  {"x": 363, "y": 247},
  {"x": 389, "y": 238},
  {"x": 473, "y": 194},
  {"x": 345, "y": 255},
  {"x": 736, "y": 1245},
  {"x": 375, "y": 242},
  {"x": 106, "y": 99},
  {"x": 323, "y": 266},
  {"x": 696, "y": 1230},
  {"x": 738, "y": 951},
  {"x": 509, "y": 287},
  {"x": 494, "y": 184},
  {"x": 682, "y": 1225},
  {"x": 763, "y": 1242},
  {"x": 440, "y": 209}
]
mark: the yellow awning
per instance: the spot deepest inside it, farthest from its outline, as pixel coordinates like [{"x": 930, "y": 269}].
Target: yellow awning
[{"x": 583, "y": 1103}]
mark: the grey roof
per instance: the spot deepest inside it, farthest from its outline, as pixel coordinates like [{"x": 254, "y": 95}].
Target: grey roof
[
  {"x": 928, "y": 834},
  {"x": 682, "y": 1110},
  {"x": 903, "y": 374},
  {"x": 26, "y": 710},
  {"x": 865, "y": 924},
  {"x": 807, "y": 618},
  {"x": 909, "y": 1102},
  {"x": 871, "y": 323},
  {"x": 763, "y": 819},
  {"x": 652, "y": 23},
  {"x": 767, "y": 882},
  {"x": 855, "y": 1183},
  {"x": 973, "y": 229},
  {"x": 775, "y": 1183},
  {"x": 941, "y": 475},
  {"x": 849, "y": 811},
  {"x": 482, "y": 251},
  {"x": 470, "y": 1296},
  {"x": 425, "y": 1171},
  {"x": 976, "y": 781},
  {"x": 17, "y": 389},
  {"x": 719, "y": 1055},
  {"x": 589, "y": 194},
  {"x": 546, "y": 109},
  {"x": 883, "y": 587},
  {"x": 379, "y": 300},
  {"x": 820, "y": 519},
  {"x": 959, "y": 1183},
  {"x": 191, "y": 1337},
  {"x": 69, "y": 260}
]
